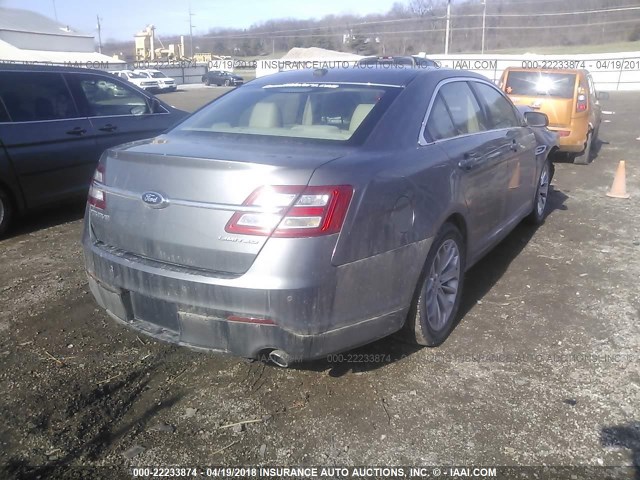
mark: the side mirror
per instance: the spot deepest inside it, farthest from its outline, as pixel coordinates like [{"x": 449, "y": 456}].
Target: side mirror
[
  {"x": 602, "y": 95},
  {"x": 156, "y": 106},
  {"x": 536, "y": 119},
  {"x": 138, "y": 110}
]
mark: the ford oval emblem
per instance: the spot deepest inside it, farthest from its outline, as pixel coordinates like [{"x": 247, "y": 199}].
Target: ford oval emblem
[{"x": 155, "y": 199}]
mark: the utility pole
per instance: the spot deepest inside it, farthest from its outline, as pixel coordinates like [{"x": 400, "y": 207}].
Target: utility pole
[
  {"x": 99, "y": 34},
  {"x": 55, "y": 10},
  {"x": 484, "y": 22},
  {"x": 446, "y": 33},
  {"x": 191, "y": 25}
]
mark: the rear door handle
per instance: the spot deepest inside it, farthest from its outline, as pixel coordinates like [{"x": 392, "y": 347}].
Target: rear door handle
[
  {"x": 470, "y": 161},
  {"x": 77, "y": 131},
  {"x": 108, "y": 128},
  {"x": 512, "y": 138}
]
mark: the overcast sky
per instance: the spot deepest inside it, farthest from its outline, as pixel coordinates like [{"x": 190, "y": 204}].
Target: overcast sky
[{"x": 121, "y": 19}]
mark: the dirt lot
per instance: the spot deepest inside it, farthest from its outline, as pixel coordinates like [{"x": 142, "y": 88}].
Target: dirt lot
[{"x": 543, "y": 369}]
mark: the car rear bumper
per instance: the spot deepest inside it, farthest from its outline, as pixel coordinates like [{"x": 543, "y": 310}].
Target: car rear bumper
[
  {"x": 575, "y": 141},
  {"x": 209, "y": 332},
  {"x": 337, "y": 309}
]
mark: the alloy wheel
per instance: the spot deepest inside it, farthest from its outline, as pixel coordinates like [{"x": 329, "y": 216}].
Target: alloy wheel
[
  {"x": 543, "y": 190},
  {"x": 441, "y": 287}
]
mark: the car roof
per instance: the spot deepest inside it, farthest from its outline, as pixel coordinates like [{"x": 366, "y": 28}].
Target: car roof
[
  {"x": 376, "y": 76},
  {"x": 47, "y": 68}
]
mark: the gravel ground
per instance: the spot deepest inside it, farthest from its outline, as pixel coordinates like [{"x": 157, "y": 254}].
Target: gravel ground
[{"x": 543, "y": 368}]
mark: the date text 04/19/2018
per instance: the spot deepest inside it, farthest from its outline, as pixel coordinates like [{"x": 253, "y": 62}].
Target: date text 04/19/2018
[{"x": 592, "y": 65}]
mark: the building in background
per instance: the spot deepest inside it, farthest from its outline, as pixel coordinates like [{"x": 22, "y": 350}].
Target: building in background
[
  {"x": 27, "y": 36},
  {"x": 147, "y": 47}
]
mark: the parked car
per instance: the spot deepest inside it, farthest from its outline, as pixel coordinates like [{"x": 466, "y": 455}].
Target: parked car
[
  {"x": 568, "y": 97},
  {"x": 218, "y": 78},
  {"x": 310, "y": 212},
  {"x": 138, "y": 79},
  {"x": 165, "y": 84},
  {"x": 54, "y": 124},
  {"x": 411, "y": 61}
]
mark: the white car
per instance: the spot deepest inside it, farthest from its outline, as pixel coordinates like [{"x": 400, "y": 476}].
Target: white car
[
  {"x": 165, "y": 83},
  {"x": 138, "y": 79}
]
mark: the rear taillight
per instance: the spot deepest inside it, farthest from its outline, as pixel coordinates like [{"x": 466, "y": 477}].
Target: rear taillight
[
  {"x": 564, "y": 133},
  {"x": 582, "y": 103},
  {"x": 583, "y": 100},
  {"x": 293, "y": 211},
  {"x": 97, "y": 196}
]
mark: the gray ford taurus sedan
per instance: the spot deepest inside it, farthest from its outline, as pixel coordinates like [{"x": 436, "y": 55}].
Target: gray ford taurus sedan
[{"x": 310, "y": 212}]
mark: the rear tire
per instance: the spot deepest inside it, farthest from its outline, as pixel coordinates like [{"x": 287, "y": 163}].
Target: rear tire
[
  {"x": 6, "y": 212},
  {"x": 541, "y": 200},
  {"x": 437, "y": 297},
  {"x": 585, "y": 157},
  {"x": 207, "y": 82}
]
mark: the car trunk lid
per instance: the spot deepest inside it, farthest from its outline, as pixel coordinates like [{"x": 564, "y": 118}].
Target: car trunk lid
[{"x": 170, "y": 199}]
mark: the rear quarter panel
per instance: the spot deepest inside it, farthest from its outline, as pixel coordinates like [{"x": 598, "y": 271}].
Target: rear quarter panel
[{"x": 401, "y": 199}]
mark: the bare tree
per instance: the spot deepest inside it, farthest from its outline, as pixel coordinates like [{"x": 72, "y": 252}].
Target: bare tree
[
  {"x": 424, "y": 8},
  {"x": 411, "y": 26}
]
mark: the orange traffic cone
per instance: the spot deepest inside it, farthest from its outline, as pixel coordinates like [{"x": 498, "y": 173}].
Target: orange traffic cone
[{"x": 619, "y": 186}]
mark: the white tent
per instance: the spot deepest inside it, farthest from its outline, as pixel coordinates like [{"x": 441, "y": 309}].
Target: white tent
[{"x": 315, "y": 53}]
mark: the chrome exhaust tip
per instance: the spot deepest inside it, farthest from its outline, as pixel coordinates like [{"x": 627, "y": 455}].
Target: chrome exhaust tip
[{"x": 280, "y": 358}]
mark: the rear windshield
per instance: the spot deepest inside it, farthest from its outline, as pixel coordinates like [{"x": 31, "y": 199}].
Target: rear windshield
[
  {"x": 323, "y": 111},
  {"x": 541, "y": 83}
]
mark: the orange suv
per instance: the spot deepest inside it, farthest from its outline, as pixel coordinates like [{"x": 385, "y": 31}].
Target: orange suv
[{"x": 569, "y": 99}]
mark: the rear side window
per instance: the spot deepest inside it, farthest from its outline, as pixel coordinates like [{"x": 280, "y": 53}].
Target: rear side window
[
  {"x": 463, "y": 107},
  {"x": 36, "y": 96},
  {"x": 551, "y": 84},
  {"x": 440, "y": 125},
  {"x": 592, "y": 87},
  {"x": 500, "y": 113},
  {"x": 108, "y": 98}
]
